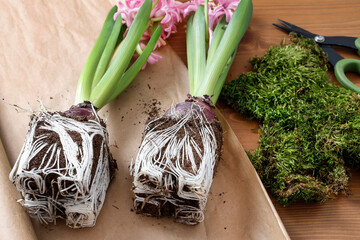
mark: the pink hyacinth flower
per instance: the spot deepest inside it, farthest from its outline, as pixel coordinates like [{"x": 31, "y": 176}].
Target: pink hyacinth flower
[
  {"x": 217, "y": 9},
  {"x": 166, "y": 12}
]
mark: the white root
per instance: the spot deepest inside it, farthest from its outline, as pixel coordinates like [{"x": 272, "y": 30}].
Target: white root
[
  {"x": 75, "y": 192},
  {"x": 159, "y": 169}
]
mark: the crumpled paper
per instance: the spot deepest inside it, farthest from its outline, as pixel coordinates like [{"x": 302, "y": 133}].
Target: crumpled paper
[
  {"x": 44, "y": 47},
  {"x": 14, "y": 222}
]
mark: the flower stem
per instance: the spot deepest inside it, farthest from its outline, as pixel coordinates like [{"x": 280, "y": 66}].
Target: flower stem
[
  {"x": 154, "y": 3},
  {"x": 206, "y": 10},
  {"x": 138, "y": 49},
  {"x": 157, "y": 19}
]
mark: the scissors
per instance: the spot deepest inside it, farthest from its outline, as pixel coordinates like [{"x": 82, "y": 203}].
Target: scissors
[{"x": 341, "y": 65}]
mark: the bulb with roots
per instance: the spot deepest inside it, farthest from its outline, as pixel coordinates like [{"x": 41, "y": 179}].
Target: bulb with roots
[
  {"x": 174, "y": 168},
  {"x": 65, "y": 166}
]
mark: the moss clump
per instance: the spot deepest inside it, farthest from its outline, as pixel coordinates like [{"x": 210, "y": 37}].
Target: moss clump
[{"x": 310, "y": 131}]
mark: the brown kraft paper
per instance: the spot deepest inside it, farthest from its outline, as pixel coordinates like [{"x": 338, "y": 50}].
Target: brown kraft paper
[
  {"x": 14, "y": 221},
  {"x": 44, "y": 45}
]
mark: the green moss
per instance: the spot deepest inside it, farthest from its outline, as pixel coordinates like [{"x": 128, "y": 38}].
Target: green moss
[{"x": 310, "y": 128}]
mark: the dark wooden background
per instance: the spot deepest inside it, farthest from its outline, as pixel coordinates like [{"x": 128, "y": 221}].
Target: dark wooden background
[{"x": 335, "y": 219}]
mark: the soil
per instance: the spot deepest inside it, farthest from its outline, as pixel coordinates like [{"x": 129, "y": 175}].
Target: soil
[
  {"x": 52, "y": 137},
  {"x": 191, "y": 128},
  {"x": 167, "y": 208},
  {"x": 152, "y": 109}
]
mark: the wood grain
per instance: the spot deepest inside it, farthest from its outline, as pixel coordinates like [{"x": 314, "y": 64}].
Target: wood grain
[{"x": 335, "y": 219}]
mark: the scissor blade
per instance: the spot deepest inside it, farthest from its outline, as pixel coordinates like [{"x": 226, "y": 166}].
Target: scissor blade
[
  {"x": 286, "y": 29},
  {"x": 333, "y": 56},
  {"x": 293, "y": 28},
  {"x": 331, "y": 40},
  {"x": 341, "y": 41}
]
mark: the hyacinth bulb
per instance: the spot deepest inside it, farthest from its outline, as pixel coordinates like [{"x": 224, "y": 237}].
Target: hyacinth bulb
[{"x": 65, "y": 167}]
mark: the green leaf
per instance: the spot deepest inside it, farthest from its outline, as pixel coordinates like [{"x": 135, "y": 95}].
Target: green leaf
[
  {"x": 83, "y": 89},
  {"x": 236, "y": 29},
  {"x": 105, "y": 87},
  {"x": 131, "y": 73},
  {"x": 108, "y": 51},
  {"x": 190, "y": 52},
  {"x": 199, "y": 47},
  {"x": 217, "y": 36},
  {"x": 222, "y": 78}
]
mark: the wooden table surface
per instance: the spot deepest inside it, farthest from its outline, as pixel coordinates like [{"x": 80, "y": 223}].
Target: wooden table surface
[{"x": 335, "y": 219}]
